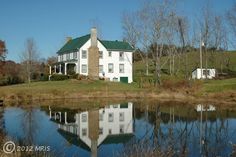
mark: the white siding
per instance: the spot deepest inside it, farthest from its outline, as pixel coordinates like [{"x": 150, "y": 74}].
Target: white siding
[{"x": 196, "y": 74}]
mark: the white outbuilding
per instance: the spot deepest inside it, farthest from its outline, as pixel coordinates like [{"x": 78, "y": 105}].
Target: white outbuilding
[{"x": 204, "y": 73}]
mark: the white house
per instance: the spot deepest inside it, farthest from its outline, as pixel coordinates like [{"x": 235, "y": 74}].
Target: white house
[
  {"x": 90, "y": 129},
  {"x": 203, "y": 73},
  {"x": 90, "y": 56}
]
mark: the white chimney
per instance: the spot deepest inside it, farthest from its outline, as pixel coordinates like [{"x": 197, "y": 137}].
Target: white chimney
[{"x": 93, "y": 37}]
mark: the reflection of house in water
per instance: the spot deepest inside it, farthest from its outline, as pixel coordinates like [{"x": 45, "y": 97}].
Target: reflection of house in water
[
  {"x": 90, "y": 129},
  {"x": 203, "y": 108}
]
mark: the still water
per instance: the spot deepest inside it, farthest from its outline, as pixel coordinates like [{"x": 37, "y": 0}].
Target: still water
[{"x": 122, "y": 129}]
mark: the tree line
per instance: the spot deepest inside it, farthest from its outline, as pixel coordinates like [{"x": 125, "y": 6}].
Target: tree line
[
  {"x": 157, "y": 29},
  {"x": 31, "y": 67}
]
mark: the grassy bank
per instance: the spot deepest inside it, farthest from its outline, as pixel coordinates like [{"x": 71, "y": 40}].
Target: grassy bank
[{"x": 223, "y": 90}]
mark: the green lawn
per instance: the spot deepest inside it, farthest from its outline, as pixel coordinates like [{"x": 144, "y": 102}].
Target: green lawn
[
  {"x": 226, "y": 60},
  {"x": 57, "y": 87},
  {"x": 220, "y": 85}
]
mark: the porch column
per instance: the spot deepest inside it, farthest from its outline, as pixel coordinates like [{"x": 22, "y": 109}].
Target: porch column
[
  {"x": 55, "y": 69},
  {"x": 66, "y": 68},
  {"x": 60, "y": 69},
  {"x": 50, "y": 112},
  {"x": 50, "y": 70},
  {"x": 76, "y": 68},
  {"x": 65, "y": 117}
]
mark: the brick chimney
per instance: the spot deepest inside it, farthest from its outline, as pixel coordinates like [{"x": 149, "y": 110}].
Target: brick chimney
[
  {"x": 68, "y": 39},
  {"x": 93, "y": 56}
]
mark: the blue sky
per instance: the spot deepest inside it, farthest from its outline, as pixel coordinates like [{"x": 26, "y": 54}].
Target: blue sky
[{"x": 49, "y": 22}]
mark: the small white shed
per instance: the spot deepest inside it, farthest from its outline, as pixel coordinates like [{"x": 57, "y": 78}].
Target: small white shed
[{"x": 203, "y": 73}]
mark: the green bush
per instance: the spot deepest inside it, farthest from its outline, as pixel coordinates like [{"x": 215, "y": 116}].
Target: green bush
[
  {"x": 58, "y": 77},
  {"x": 3, "y": 81},
  {"x": 9, "y": 80}
]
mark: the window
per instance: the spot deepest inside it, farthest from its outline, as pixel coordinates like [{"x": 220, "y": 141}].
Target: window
[
  {"x": 101, "y": 117},
  {"x": 75, "y": 55},
  {"x": 110, "y": 68},
  {"x": 100, "y": 54},
  {"x": 122, "y": 68},
  {"x": 110, "y": 54},
  {"x": 61, "y": 58},
  {"x": 100, "y": 68},
  {"x": 121, "y": 56},
  {"x": 84, "y": 132},
  {"x": 122, "y": 129},
  {"x": 67, "y": 56},
  {"x": 84, "y": 54},
  {"x": 84, "y": 68},
  {"x": 84, "y": 118},
  {"x": 110, "y": 117},
  {"x": 206, "y": 72},
  {"x": 110, "y": 131},
  {"x": 100, "y": 131},
  {"x": 122, "y": 117}
]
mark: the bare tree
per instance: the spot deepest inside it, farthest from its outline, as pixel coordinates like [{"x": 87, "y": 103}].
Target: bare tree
[
  {"x": 151, "y": 29},
  {"x": 231, "y": 18},
  {"x": 183, "y": 30},
  {"x": 29, "y": 57}
]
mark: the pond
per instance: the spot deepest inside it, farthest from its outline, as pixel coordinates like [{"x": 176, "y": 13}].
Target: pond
[{"x": 119, "y": 129}]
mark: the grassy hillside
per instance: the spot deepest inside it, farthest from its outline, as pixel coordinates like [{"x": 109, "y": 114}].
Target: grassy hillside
[{"x": 221, "y": 61}]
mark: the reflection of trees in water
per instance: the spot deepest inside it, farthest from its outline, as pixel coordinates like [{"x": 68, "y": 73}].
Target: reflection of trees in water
[
  {"x": 29, "y": 124},
  {"x": 2, "y": 126},
  {"x": 208, "y": 135}
]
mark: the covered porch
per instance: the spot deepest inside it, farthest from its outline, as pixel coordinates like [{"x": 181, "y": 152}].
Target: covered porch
[{"x": 66, "y": 68}]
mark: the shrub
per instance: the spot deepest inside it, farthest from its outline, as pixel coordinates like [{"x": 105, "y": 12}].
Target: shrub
[
  {"x": 44, "y": 77},
  {"x": 9, "y": 80},
  {"x": 82, "y": 77},
  {"x": 74, "y": 76},
  {"x": 58, "y": 77}
]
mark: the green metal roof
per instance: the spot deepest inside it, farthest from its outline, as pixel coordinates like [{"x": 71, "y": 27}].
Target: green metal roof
[
  {"x": 77, "y": 43},
  {"x": 117, "y": 45},
  {"x": 74, "y": 44}
]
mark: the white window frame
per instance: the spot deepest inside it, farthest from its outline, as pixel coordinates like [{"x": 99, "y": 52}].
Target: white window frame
[
  {"x": 84, "y": 117},
  {"x": 100, "y": 54},
  {"x": 112, "y": 69},
  {"x": 122, "y": 129},
  {"x": 100, "y": 131},
  {"x": 121, "y": 56},
  {"x": 101, "y": 116},
  {"x": 100, "y": 68},
  {"x": 121, "y": 70},
  {"x": 110, "y": 53},
  {"x": 84, "y": 68},
  {"x": 121, "y": 116},
  {"x": 84, "y": 54},
  {"x": 75, "y": 55},
  {"x": 84, "y": 131},
  {"x": 110, "y": 117},
  {"x": 68, "y": 56}
]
